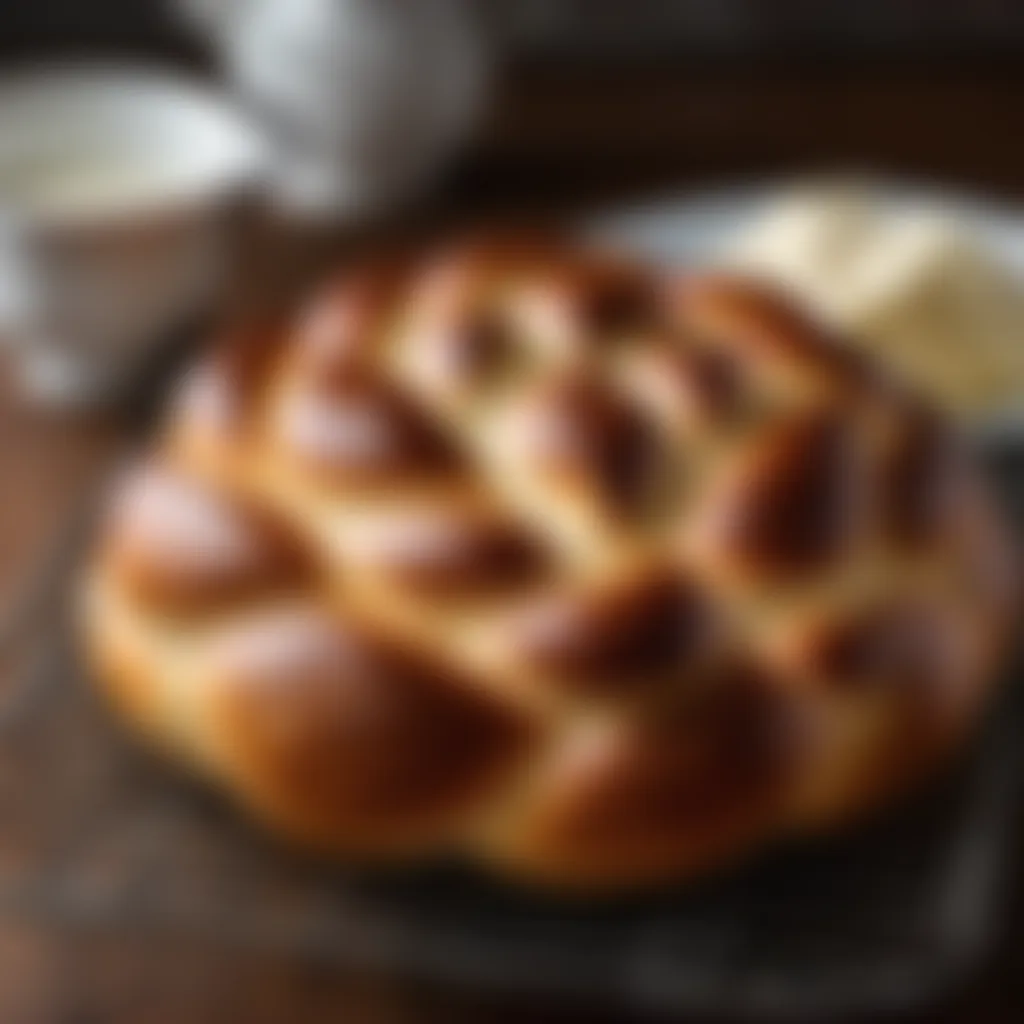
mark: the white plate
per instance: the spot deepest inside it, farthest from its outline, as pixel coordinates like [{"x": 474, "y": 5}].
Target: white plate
[{"x": 694, "y": 228}]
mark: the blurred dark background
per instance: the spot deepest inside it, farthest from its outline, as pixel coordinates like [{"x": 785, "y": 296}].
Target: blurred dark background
[
  {"x": 587, "y": 30},
  {"x": 598, "y": 97}
]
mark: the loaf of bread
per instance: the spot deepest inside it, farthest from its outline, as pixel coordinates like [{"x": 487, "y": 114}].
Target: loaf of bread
[{"x": 594, "y": 575}]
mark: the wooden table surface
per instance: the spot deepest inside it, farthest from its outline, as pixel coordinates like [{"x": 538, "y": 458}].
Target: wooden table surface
[{"x": 553, "y": 144}]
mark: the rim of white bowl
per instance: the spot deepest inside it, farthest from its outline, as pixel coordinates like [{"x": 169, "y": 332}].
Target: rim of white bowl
[{"x": 121, "y": 90}]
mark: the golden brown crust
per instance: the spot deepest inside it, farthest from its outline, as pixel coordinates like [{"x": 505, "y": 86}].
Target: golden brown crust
[
  {"x": 668, "y": 790},
  {"x": 175, "y": 542},
  {"x": 656, "y": 630},
  {"x": 519, "y": 552},
  {"x": 352, "y": 429},
  {"x": 349, "y": 738},
  {"x": 793, "y": 502}
]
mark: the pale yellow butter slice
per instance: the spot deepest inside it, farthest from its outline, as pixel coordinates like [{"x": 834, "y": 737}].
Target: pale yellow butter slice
[{"x": 913, "y": 285}]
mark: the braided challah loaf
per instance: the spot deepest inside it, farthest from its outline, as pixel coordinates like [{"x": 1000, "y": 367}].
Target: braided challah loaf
[{"x": 531, "y": 555}]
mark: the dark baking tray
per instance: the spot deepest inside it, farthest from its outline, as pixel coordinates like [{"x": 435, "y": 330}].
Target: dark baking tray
[{"x": 98, "y": 833}]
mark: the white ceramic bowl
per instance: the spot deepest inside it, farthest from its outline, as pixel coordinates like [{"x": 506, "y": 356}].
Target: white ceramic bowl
[{"x": 114, "y": 182}]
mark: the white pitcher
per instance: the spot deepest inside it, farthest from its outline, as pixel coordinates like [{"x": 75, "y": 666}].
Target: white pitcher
[{"x": 362, "y": 99}]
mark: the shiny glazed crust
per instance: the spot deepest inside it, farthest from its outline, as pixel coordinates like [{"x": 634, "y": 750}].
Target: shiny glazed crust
[{"x": 530, "y": 555}]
